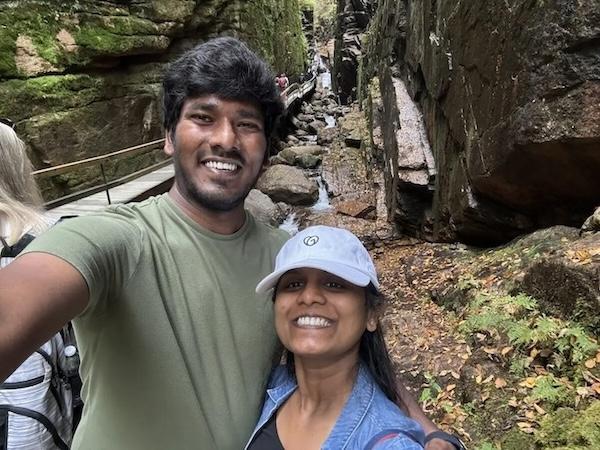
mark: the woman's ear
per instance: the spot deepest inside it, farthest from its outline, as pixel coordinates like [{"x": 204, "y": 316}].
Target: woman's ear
[{"x": 371, "y": 322}]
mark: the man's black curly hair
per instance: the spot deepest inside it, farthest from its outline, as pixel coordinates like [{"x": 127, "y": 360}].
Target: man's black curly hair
[{"x": 224, "y": 67}]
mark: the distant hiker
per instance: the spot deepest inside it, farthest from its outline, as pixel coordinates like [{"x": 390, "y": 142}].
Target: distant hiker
[{"x": 283, "y": 82}]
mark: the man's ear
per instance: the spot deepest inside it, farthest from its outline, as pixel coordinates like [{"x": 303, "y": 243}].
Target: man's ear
[{"x": 169, "y": 148}]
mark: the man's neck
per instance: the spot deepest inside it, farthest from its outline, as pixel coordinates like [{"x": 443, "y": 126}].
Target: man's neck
[{"x": 220, "y": 222}]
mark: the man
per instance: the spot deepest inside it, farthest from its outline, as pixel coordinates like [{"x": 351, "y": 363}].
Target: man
[{"x": 176, "y": 347}]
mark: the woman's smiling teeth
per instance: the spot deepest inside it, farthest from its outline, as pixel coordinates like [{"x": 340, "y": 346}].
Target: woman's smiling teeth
[
  {"x": 312, "y": 322},
  {"x": 218, "y": 165}
]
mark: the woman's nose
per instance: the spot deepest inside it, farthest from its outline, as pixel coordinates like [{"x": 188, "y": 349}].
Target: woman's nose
[{"x": 311, "y": 294}]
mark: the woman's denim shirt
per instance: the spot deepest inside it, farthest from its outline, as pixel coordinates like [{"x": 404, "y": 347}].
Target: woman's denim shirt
[{"x": 367, "y": 414}]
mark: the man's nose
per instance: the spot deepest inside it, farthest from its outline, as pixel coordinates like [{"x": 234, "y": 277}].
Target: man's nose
[
  {"x": 223, "y": 135},
  {"x": 310, "y": 294}
]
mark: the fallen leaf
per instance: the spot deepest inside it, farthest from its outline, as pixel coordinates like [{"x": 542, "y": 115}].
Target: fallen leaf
[
  {"x": 450, "y": 387},
  {"x": 530, "y": 415},
  {"x": 478, "y": 379},
  {"x": 539, "y": 409},
  {"x": 455, "y": 375},
  {"x": 529, "y": 382},
  {"x": 513, "y": 402},
  {"x": 506, "y": 350},
  {"x": 500, "y": 383},
  {"x": 488, "y": 379},
  {"x": 590, "y": 363}
]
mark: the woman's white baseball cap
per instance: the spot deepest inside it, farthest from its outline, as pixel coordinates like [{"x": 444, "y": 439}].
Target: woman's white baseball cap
[{"x": 333, "y": 250}]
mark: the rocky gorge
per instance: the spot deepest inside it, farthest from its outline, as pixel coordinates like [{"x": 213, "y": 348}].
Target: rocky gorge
[{"x": 459, "y": 140}]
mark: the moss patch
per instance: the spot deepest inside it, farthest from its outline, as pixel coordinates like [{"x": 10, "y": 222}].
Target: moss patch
[
  {"x": 274, "y": 29},
  {"x": 571, "y": 429}
]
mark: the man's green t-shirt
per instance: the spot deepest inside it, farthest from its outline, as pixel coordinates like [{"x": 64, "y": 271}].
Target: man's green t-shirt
[{"x": 176, "y": 346}]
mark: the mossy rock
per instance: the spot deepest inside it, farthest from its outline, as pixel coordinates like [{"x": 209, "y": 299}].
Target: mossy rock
[
  {"x": 517, "y": 440},
  {"x": 568, "y": 428},
  {"x": 30, "y": 97}
]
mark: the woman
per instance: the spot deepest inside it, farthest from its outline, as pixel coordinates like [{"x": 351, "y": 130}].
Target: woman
[
  {"x": 35, "y": 400},
  {"x": 20, "y": 200},
  {"x": 336, "y": 390}
]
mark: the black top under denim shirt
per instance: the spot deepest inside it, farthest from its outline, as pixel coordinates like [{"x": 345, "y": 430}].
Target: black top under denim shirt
[{"x": 267, "y": 438}]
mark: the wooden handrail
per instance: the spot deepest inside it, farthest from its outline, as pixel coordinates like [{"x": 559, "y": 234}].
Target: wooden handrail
[{"x": 56, "y": 170}]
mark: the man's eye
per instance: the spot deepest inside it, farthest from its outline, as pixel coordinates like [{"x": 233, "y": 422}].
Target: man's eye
[
  {"x": 250, "y": 125},
  {"x": 201, "y": 118},
  {"x": 334, "y": 285}
]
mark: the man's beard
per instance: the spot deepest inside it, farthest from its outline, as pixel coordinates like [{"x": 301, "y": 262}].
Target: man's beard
[{"x": 216, "y": 201}]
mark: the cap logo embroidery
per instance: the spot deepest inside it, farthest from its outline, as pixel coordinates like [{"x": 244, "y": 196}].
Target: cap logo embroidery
[{"x": 310, "y": 240}]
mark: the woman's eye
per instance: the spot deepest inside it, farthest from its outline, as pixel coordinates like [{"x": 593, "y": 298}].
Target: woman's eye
[
  {"x": 334, "y": 285},
  {"x": 291, "y": 284}
]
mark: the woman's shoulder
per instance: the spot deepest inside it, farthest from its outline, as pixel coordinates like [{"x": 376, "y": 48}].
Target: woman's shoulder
[{"x": 395, "y": 428}]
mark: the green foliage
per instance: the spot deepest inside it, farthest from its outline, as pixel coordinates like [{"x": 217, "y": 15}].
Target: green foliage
[
  {"x": 468, "y": 282},
  {"x": 519, "y": 365},
  {"x": 552, "y": 391},
  {"x": 486, "y": 446},
  {"x": 325, "y": 15},
  {"x": 432, "y": 390},
  {"x": 306, "y": 4},
  {"x": 574, "y": 341}
]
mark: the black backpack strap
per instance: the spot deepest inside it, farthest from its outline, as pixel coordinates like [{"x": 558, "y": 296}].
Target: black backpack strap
[
  {"x": 54, "y": 372},
  {"x": 385, "y": 435},
  {"x": 11, "y": 251},
  {"x": 40, "y": 418}
]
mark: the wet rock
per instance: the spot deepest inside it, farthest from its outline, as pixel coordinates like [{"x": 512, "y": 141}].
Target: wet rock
[
  {"x": 262, "y": 208},
  {"x": 315, "y": 126},
  {"x": 592, "y": 223},
  {"x": 288, "y": 184},
  {"x": 306, "y": 157}
]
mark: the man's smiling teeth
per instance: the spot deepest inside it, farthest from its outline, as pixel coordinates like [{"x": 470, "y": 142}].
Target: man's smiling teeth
[
  {"x": 309, "y": 321},
  {"x": 221, "y": 165}
]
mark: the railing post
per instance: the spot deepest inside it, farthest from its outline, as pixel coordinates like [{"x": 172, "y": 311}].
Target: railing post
[{"x": 105, "y": 183}]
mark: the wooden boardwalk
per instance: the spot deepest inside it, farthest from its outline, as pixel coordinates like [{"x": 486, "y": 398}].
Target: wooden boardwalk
[{"x": 120, "y": 194}]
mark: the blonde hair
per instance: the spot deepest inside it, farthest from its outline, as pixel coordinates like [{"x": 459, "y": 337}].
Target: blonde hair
[{"x": 20, "y": 199}]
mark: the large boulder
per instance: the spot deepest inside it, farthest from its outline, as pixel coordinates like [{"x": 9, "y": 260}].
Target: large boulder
[
  {"x": 288, "y": 184},
  {"x": 263, "y": 208},
  {"x": 510, "y": 102}
]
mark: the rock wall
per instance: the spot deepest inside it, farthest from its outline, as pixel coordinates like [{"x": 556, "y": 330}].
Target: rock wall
[
  {"x": 352, "y": 20},
  {"x": 510, "y": 96},
  {"x": 83, "y": 78}
]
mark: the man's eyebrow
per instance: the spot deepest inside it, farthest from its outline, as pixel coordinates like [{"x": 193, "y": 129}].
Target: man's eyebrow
[
  {"x": 250, "y": 114},
  {"x": 203, "y": 106}
]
